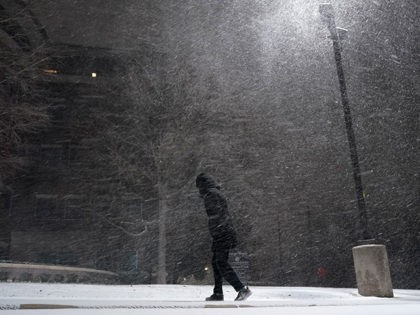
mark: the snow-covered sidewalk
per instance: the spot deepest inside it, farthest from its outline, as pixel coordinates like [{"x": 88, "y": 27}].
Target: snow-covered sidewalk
[{"x": 37, "y": 298}]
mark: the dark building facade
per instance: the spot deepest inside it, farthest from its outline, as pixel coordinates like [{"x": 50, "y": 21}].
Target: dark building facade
[{"x": 62, "y": 207}]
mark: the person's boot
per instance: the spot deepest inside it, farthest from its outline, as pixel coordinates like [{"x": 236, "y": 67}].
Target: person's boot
[
  {"x": 215, "y": 297},
  {"x": 243, "y": 294}
]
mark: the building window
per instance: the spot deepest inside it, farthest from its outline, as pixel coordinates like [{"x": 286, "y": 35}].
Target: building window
[
  {"x": 132, "y": 208},
  {"x": 130, "y": 263},
  {"x": 149, "y": 210},
  {"x": 73, "y": 207},
  {"x": 46, "y": 207}
]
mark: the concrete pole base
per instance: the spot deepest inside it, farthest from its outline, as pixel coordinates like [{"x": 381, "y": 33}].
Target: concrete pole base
[{"x": 372, "y": 271}]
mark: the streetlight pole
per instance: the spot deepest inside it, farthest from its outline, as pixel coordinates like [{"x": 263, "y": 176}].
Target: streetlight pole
[{"x": 327, "y": 15}]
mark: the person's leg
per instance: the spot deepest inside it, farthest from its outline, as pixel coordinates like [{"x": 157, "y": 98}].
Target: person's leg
[
  {"x": 218, "y": 278},
  {"x": 220, "y": 259}
]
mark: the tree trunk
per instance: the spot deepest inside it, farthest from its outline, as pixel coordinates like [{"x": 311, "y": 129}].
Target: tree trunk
[{"x": 163, "y": 210}]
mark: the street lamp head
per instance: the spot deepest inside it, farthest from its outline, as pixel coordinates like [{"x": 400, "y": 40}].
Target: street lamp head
[{"x": 327, "y": 12}]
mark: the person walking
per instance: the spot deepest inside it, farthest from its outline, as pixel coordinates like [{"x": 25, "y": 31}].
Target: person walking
[{"x": 224, "y": 238}]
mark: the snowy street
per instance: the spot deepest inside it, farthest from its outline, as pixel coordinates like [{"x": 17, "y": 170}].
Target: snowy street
[{"x": 32, "y": 298}]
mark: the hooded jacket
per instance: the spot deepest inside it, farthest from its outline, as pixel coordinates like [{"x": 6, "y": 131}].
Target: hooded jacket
[{"x": 220, "y": 223}]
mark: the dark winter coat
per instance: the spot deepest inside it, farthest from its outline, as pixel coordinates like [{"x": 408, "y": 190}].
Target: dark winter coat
[{"x": 220, "y": 222}]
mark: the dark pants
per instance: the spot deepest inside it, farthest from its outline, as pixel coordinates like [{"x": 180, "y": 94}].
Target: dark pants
[{"x": 222, "y": 269}]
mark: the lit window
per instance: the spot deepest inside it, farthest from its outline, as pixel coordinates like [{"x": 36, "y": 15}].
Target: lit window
[{"x": 50, "y": 71}]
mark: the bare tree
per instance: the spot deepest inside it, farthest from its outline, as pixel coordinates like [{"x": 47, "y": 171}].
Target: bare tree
[
  {"x": 22, "y": 113},
  {"x": 152, "y": 138}
]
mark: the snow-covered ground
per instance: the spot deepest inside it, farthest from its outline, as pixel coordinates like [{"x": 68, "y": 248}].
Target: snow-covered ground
[{"x": 22, "y": 298}]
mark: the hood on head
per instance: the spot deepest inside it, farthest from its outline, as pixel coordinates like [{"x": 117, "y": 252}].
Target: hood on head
[{"x": 205, "y": 182}]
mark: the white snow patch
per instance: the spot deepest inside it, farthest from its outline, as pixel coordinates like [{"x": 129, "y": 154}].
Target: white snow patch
[{"x": 183, "y": 299}]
